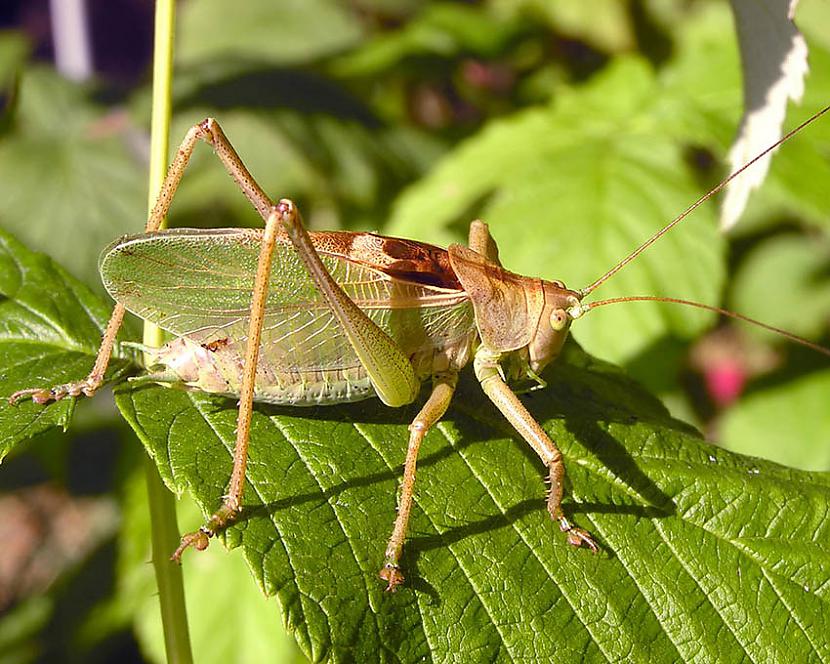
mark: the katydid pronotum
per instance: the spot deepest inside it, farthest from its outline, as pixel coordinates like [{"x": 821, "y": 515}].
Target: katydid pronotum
[{"x": 345, "y": 316}]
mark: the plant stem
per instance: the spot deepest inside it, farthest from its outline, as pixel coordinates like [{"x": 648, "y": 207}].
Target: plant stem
[
  {"x": 165, "y": 534},
  {"x": 165, "y": 530}
]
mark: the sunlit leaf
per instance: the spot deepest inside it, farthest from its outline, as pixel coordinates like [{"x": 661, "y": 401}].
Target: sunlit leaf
[
  {"x": 50, "y": 327},
  {"x": 13, "y": 50},
  {"x": 604, "y": 24},
  {"x": 441, "y": 30},
  {"x": 288, "y": 32},
  {"x": 230, "y": 619},
  {"x": 339, "y": 169},
  {"x": 783, "y": 281},
  {"x": 697, "y": 543},
  {"x": 21, "y": 627}
]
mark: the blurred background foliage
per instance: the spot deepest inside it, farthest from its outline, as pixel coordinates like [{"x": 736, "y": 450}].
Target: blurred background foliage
[{"x": 574, "y": 129}]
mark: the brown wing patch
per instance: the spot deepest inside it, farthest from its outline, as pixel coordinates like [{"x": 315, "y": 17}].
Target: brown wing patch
[{"x": 407, "y": 260}]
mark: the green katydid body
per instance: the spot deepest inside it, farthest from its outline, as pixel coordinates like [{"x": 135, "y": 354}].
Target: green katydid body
[
  {"x": 288, "y": 317},
  {"x": 409, "y": 289}
]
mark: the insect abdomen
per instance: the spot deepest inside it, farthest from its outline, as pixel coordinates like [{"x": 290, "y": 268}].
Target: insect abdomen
[{"x": 216, "y": 367}]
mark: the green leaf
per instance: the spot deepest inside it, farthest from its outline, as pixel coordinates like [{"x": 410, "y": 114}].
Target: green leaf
[
  {"x": 339, "y": 170},
  {"x": 569, "y": 190},
  {"x": 791, "y": 271},
  {"x": 288, "y": 32},
  {"x": 705, "y": 554},
  {"x": 443, "y": 29},
  {"x": 789, "y": 424},
  {"x": 319, "y": 145},
  {"x": 68, "y": 183},
  {"x": 50, "y": 328},
  {"x": 20, "y": 627},
  {"x": 14, "y": 48},
  {"x": 250, "y": 631},
  {"x": 604, "y": 24}
]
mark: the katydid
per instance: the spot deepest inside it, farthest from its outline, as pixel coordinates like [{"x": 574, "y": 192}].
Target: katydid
[{"x": 285, "y": 316}]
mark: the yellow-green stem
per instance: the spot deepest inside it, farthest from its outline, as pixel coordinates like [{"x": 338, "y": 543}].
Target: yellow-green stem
[{"x": 165, "y": 530}]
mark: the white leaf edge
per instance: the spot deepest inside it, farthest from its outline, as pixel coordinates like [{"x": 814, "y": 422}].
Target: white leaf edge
[{"x": 774, "y": 62}]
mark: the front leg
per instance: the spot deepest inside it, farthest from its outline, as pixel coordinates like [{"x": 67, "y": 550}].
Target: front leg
[{"x": 487, "y": 371}]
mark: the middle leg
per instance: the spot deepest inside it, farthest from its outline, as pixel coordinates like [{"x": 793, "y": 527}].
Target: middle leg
[{"x": 433, "y": 410}]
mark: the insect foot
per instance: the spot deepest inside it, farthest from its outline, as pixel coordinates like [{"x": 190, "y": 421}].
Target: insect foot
[
  {"x": 200, "y": 539},
  {"x": 577, "y": 536},
  {"x": 391, "y": 573},
  {"x": 42, "y": 395}
]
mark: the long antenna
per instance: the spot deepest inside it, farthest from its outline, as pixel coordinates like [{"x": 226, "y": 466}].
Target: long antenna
[
  {"x": 725, "y": 312},
  {"x": 645, "y": 245}
]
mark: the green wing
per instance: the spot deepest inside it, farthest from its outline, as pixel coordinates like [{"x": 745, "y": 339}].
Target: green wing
[{"x": 198, "y": 283}]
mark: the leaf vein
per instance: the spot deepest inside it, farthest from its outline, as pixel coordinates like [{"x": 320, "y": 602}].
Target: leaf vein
[
  {"x": 533, "y": 552},
  {"x": 331, "y": 504},
  {"x": 704, "y": 593},
  {"x": 793, "y": 614}
]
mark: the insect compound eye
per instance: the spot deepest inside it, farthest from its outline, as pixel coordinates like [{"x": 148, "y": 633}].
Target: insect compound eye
[
  {"x": 558, "y": 319},
  {"x": 558, "y": 284}
]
